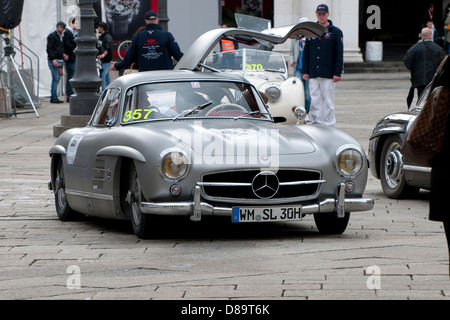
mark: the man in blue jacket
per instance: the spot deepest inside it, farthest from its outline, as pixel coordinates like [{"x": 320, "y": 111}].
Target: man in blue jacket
[
  {"x": 152, "y": 48},
  {"x": 323, "y": 62}
]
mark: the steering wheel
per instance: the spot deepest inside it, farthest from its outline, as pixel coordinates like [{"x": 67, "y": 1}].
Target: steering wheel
[
  {"x": 225, "y": 105},
  {"x": 153, "y": 107}
]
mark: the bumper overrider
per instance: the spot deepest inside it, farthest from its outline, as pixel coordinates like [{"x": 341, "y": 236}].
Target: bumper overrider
[{"x": 196, "y": 208}]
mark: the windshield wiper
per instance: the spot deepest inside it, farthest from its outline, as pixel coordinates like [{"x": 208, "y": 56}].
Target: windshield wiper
[
  {"x": 273, "y": 70},
  {"x": 192, "y": 110},
  {"x": 249, "y": 114}
]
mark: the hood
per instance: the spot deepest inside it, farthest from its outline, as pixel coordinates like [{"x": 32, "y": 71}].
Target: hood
[
  {"x": 237, "y": 138},
  {"x": 202, "y": 47}
]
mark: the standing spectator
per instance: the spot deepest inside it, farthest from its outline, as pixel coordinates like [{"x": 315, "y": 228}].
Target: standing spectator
[
  {"x": 152, "y": 48},
  {"x": 422, "y": 59},
  {"x": 295, "y": 60},
  {"x": 428, "y": 15},
  {"x": 435, "y": 36},
  {"x": 447, "y": 30},
  {"x": 106, "y": 53},
  {"x": 323, "y": 61},
  {"x": 69, "y": 46},
  {"x": 55, "y": 57}
]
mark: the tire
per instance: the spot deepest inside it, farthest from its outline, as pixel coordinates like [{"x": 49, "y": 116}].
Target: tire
[
  {"x": 123, "y": 48},
  {"x": 329, "y": 223},
  {"x": 63, "y": 209},
  {"x": 392, "y": 177},
  {"x": 140, "y": 222}
]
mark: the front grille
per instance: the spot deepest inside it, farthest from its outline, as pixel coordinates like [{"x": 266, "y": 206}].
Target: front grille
[{"x": 238, "y": 184}]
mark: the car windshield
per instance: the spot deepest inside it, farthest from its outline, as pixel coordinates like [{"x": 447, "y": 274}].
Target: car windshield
[
  {"x": 247, "y": 60},
  {"x": 200, "y": 99}
]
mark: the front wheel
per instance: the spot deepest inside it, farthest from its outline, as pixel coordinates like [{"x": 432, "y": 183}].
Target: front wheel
[
  {"x": 330, "y": 223},
  {"x": 140, "y": 222},
  {"x": 392, "y": 176}
]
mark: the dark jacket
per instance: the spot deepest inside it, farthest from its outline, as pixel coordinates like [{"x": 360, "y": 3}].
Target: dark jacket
[
  {"x": 440, "y": 173},
  {"x": 324, "y": 57},
  {"x": 422, "y": 59},
  {"x": 55, "y": 47},
  {"x": 106, "y": 44},
  {"x": 69, "y": 45},
  {"x": 152, "y": 49}
]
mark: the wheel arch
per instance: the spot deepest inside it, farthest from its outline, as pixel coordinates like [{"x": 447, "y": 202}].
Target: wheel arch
[
  {"x": 380, "y": 146},
  {"x": 55, "y": 157}
]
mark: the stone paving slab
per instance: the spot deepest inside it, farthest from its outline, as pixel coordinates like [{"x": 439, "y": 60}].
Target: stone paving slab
[{"x": 214, "y": 259}]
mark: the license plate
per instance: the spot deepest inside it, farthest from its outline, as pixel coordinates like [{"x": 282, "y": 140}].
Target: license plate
[{"x": 264, "y": 214}]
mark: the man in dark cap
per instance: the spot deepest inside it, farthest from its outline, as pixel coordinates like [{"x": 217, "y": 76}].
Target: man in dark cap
[
  {"x": 56, "y": 57},
  {"x": 152, "y": 48},
  {"x": 323, "y": 62}
]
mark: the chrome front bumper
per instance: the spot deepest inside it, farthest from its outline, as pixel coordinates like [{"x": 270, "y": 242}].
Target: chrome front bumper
[{"x": 197, "y": 208}]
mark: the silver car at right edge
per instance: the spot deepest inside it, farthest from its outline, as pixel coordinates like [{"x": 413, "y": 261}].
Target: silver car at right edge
[{"x": 399, "y": 177}]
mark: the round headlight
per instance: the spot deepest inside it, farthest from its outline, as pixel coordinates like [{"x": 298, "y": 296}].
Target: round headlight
[
  {"x": 274, "y": 93},
  {"x": 348, "y": 162},
  {"x": 174, "y": 165}
]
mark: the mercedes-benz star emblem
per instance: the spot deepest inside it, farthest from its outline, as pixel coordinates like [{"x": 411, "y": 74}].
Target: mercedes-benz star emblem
[{"x": 265, "y": 185}]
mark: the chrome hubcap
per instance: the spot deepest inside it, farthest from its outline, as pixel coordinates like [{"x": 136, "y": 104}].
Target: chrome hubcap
[{"x": 393, "y": 168}]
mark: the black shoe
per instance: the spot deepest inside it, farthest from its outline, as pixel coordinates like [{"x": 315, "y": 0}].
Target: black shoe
[
  {"x": 68, "y": 99},
  {"x": 56, "y": 101}
]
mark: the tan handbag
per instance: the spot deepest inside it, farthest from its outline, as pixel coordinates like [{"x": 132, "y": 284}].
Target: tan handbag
[
  {"x": 131, "y": 70},
  {"x": 425, "y": 137}
]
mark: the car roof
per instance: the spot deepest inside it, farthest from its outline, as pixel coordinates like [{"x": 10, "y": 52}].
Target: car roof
[{"x": 173, "y": 75}]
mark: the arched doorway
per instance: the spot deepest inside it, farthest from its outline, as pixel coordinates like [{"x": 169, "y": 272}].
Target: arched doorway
[
  {"x": 258, "y": 8},
  {"x": 401, "y": 23}
]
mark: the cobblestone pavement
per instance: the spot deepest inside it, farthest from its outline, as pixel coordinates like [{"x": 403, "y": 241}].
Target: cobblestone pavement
[{"x": 391, "y": 252}]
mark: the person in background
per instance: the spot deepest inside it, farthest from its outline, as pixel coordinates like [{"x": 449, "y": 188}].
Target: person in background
[
  {"x": 152, "y": 48},
  {"x": 69, "y": 46},
  {"x": 227, "y": 47},
  {"x": 447, "y": 31},
  {"x": 422, "y": 60},
  {"x": 295, "y": 60},
  {"x": 55, "y": 57},
  {"x": 106, "y": 53},
  {"x": 435, "y": 36},
  {"x": 323, "y": 63}
]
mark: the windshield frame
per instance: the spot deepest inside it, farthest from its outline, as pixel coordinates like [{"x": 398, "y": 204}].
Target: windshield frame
[
  {"x": 423, "y": 98},
  {"x": 261, "y": 106}
]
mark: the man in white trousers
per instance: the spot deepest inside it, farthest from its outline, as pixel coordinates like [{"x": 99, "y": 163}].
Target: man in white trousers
[{"x": 323, "y": 62}]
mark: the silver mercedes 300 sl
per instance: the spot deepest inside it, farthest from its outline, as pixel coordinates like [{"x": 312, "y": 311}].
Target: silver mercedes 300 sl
[{"x": 191, "y": 143}]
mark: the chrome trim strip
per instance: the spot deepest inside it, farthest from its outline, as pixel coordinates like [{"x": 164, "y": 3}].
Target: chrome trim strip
[
  {"x": 89, "y": 195},
  {"x": 242, "y": 184},
  {"x": 416, "y": 168},
  {"x": 224, "y": 184},
  {"x": 298, "y": 183}
]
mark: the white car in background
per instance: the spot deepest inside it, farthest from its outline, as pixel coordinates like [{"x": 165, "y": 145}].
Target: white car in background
[{"x": 268, "y": 72}]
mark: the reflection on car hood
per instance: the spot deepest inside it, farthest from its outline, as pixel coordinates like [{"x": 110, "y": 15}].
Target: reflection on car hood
[{"x": 235, "y": 137}]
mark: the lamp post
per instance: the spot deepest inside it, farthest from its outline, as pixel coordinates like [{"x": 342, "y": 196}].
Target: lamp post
[{"x": 85, "y": 81}]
